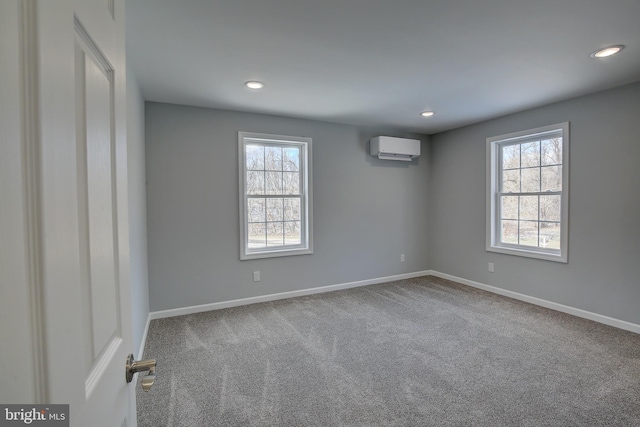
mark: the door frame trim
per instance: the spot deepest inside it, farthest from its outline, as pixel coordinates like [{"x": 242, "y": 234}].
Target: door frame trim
[{"x": 31, "y": 169}]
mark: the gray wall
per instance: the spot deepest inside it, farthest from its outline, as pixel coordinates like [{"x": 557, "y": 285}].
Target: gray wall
[
  {"x": 137, "y": 209},
  {"x": 366, "y": 211},
  {"x": 603, "y": 273}
]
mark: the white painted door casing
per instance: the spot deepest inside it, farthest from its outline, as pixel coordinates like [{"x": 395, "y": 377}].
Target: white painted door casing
[{"x": 16, "y": 385}]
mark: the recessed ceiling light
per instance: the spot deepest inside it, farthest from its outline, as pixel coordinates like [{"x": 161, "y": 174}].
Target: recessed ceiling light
[
  {"x": 607, "y": 51},
  {"x": 254, "y": 85},
  {"x": 427, "y": 113}
]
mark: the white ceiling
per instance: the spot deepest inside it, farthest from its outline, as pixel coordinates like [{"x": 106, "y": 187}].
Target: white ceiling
[{"x": 380, "y": 62}]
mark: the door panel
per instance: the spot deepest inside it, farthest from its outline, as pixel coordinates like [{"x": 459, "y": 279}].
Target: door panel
[
  {"x": 85, "y": 274},
  {"x": 95, "y": 192}
]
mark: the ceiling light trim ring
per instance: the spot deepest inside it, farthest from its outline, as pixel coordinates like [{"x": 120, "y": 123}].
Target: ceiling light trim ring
[
  {"x": 608, "y": 51},
  {"x": 254, "y": 84}
]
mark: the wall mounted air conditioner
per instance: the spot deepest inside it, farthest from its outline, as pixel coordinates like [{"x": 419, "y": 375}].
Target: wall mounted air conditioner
[{"x": 391, "y": 148}]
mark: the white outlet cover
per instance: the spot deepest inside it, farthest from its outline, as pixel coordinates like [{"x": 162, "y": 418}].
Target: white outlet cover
[{"x": 256, "y": 276}]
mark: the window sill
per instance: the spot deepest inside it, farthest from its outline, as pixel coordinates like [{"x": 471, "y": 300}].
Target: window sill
[
  {"x": 547, "y": 256},
  {"x": 275, "y": 253}
]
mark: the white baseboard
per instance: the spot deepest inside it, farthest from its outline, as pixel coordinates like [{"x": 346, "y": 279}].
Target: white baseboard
[
  {"x": 143, "y": 341},
  {"x": 272, "y": 297},
  {"x": 628, "y": 326}
]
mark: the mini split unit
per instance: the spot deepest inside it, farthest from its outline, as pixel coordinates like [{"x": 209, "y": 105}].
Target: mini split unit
[{"x": 391, "y": 148}]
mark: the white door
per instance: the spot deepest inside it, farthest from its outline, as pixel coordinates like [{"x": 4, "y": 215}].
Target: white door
[{"x": 75, "y": 192}]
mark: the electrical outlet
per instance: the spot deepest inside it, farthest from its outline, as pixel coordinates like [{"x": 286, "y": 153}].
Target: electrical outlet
[
  {"x": 491, "y": 269},
  {"x": 401, "y": 257},
  {"x": 256, "y": 276}
]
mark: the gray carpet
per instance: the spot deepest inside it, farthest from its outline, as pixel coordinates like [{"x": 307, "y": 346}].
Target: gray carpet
[{"x": 418, "y": 352}]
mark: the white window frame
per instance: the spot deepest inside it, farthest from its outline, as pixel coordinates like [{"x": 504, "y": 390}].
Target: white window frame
[
  {"x": 494, "y": 177},
  {"x": 306, "y": 196}
]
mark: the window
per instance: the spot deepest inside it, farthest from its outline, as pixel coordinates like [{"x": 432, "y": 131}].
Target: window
[
  {"x": 275, "y": 195},
  {"x": 528, "y": 193}
]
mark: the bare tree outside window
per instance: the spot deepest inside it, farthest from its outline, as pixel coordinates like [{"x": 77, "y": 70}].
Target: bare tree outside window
[
  {"x": 273, "y": 173},
  {"x": 530, "y": 209}
]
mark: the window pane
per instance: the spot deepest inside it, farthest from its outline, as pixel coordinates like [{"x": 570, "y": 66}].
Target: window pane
[
  {"x": 531, "y": 180},
  {"x": 509, "y": 232},
  {"x": 291, "y": 182},
  {"x": 552, "y": 151},
  {"x": 274, "y": 182},
  {"x": 550, "y": 208},
  {"x": 273, "y": 158},
  {"x": 255, "y": 182},
  {"x": 511, "y": 181},
  {"x": 275, "y": 210},
  {"x": 255, "y": 157},
  {"x": 291, "y": 159},
  {"x": 511, "y": 157},
  {"x": 530, "y": 154},
  {"x": 257, "y": 236},
  {"x": 292, "y": 233},
  {"x": 549, "y": 235},
  {"x": 529, "y": 208},
  {"x": 528, "y": 233},
  {"x": 275, "y": 236},
  {"x": 291, "y": 209},
  {"x": 255, "y": 210},
  {"x": 510, "y": 207},
  {"x": 552, "y": 178}
]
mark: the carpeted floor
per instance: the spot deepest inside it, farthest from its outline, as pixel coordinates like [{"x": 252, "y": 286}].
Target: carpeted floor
[{"x": 418, "y": 352}]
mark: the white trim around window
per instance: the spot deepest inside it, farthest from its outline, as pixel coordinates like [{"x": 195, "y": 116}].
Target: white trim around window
[
  {"x": 276, "y": 199},
  {"x": 528, "y": 193}
]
